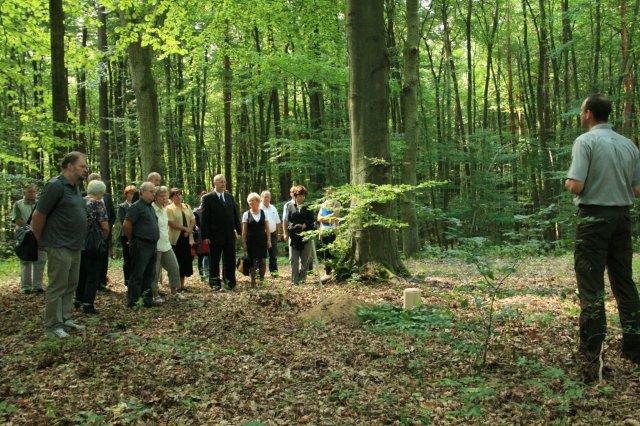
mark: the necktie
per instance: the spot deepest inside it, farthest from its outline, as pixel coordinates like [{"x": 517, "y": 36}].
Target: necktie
[{"x": 222, "y": 198}]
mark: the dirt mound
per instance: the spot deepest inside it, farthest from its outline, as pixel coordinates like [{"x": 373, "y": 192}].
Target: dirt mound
[{"x": 340, "y": 308}]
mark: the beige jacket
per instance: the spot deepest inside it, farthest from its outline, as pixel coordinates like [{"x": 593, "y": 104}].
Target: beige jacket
[{"x": 174, "y": 214}]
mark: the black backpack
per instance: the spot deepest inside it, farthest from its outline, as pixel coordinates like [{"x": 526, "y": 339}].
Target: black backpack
[{"x": 26, "y": 247}]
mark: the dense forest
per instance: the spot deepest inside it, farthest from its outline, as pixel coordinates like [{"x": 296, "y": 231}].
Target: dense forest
[{"x": 483, "y": 97}]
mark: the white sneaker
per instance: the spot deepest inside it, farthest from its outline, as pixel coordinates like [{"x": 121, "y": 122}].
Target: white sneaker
[
  {"x": 72, "y": 324},
  {"x": 57, "y": 332},
  {"x": 159, "y": 299}
]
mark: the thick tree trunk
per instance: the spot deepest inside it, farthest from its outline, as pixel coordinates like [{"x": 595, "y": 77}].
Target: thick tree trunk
[
  {"x": 410, "y": 238},
  {"x": 144, "y": 87},
  {"x": 368, "y": 116},
  {"x": 59, "y": 83}
]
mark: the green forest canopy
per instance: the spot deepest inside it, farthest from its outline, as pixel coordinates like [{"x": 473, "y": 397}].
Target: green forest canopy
[{"x": 259, "y": 90}]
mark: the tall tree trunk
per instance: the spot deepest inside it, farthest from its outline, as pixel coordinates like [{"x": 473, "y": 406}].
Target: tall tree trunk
[
  {"x": 59, "y": 83},
  {"x": 180, "y": 111},
  {"x": 368, "y": 116},
  {"x": 597, "y": 46},
  {"x": 470, "y": 70},
  {"x": 169, "y": 131},
  {"x": 103, "y": 99},
  {"x": 410, "y": 238},
  {"x": 144, "y": 87},
  {"x": 543, "y": 112},
  {"x": 459, "y": 122},
  {"x": 284, "y": 177},
  {"x": 512, "y": 111},
  {"x": 628, "y": 67},
  {"x": 226, "y": 95},
  {"x": 81, "y": 95}
]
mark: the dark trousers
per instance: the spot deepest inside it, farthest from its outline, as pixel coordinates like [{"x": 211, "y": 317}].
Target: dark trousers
[
  {"x": 273, "y": 253},
  {"x": 326, "y": 238},
  {"x": 226, "y": 250},
  {"x": 143, "y": 262},
  {"x": 126, "y": 259},
  {"x": 104, "y": 265},
  {"x": 90, "y": 275},
  {"x": 603, "y": 239}
]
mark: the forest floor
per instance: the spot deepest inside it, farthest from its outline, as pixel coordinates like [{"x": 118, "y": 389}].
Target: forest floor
[{"x": 247, "y": 356}]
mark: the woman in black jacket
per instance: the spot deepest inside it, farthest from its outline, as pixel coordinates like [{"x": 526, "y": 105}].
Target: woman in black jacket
[{"x": 300, "y": 219}]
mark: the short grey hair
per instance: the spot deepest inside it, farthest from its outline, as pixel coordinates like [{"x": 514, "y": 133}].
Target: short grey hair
[
  {"x": 218, "y": 177},
  {"x": 152, "y": 175},
  {"x": 265, "y": 192},
  {"x": 147, "y": 186},
  {"x": 94, "y": 176},
  {"x": 253, "y": 196},
  {"x": 96, "y": 187}
]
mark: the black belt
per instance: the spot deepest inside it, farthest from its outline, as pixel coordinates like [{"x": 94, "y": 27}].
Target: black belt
[{"x": 599, "y": 207}]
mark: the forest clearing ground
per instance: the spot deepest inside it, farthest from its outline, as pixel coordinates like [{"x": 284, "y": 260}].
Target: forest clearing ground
[{"x": 246, "y": 356}]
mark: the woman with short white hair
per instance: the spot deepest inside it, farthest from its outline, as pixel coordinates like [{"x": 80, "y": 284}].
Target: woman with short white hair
[
  {"x": 256, "y": 238},
  {"x": 95, "y": 247}
]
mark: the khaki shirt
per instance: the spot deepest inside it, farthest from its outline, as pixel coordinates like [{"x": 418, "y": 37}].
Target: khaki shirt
[{"x": 608, "y": 164}]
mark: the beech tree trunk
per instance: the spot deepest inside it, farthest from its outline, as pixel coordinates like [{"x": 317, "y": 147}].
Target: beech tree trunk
[
  {"x": 59, "y": 84},
  {"x": 368, "y": 116},
  {"x": 144, "y": 87},
  {"x": 103, "y": 99},
  {"x": 410, "y": 238}
]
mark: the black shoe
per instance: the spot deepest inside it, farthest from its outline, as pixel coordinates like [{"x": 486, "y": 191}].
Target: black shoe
[
  {"x": 89, "y": 309},
  {"x": 77, "y": 304},
  {"x": 632, "y": 358},
  {"x": 39, "y": 290},
  {"x": 151, "y": 304},
  {"x": 29, "y": 291},
  {"x": 215, "y": 284}
]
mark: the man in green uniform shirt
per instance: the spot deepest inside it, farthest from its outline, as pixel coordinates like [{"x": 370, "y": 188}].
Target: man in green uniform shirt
[{"x": 605, "y": 177}]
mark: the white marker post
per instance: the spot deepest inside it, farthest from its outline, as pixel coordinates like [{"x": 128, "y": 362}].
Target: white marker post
[{"x": 412, "y": 298}]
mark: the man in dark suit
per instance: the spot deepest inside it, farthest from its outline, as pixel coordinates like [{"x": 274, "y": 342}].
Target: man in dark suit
[{"x": 220, "y": 229}]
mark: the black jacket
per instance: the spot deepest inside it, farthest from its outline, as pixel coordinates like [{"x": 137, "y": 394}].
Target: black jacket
[{"x": 219, "y": 220}]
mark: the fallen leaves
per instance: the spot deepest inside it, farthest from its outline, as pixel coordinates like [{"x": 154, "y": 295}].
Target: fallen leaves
[{"x": 247, "y": 356}]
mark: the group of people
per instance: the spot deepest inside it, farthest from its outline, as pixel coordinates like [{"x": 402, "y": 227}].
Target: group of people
[{"x": 158, "y": 231}]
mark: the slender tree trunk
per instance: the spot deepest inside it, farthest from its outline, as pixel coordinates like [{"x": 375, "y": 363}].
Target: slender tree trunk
[
  {"x": 368, "y": 116},
  {"x": 470, "y": 70},
  {"x": 103, "y": 99},
  {"x": 81, "y": 95},
  {"x": 226, "y": 95},
  {"x": 597, "y": 47}
]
